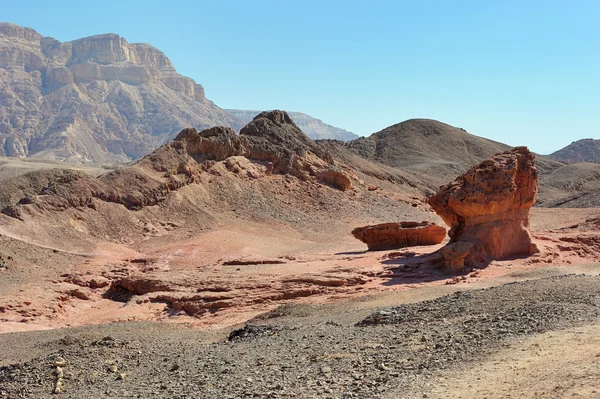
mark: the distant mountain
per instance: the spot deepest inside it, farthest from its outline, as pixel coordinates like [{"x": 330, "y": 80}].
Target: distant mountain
[
  {"x": 436, "y": 153},
  {"x": 435, "y": 150},
  {"x": 585, "y": 150},
  {"x": 314, "y": 128},
  {"x": 95, "y": 99}
]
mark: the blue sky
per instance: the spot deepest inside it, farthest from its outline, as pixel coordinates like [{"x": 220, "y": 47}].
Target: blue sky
[{"x": 519, "y": 72}]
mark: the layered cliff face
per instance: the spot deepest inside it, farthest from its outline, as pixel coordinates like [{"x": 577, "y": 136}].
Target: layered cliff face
[{"x": 93, "y": 99}]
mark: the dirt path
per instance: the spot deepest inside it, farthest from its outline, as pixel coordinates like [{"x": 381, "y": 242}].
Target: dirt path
[{"x": 558, "y": 364}]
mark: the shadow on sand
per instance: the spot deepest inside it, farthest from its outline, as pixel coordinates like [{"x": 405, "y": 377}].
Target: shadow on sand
[
  {"x": 352, "y": 252},
  {"x": 415, "y": 269}
]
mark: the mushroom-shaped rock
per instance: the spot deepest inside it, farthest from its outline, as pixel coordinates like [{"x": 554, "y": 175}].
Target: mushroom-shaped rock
[
  {"x": 488, "y": 207},
  {"x": 399, "y": 235}
]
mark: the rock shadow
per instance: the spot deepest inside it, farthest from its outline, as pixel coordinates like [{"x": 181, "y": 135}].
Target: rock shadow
[
  {"x": 402, "y": 269},
  {"x": 353, "y": 252}
]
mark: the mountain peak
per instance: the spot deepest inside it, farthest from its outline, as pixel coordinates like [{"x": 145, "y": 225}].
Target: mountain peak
[
  {"x": 98, "y": 98},
  {"x": 584, "y": 150},
  {"x": 314, "y": 128},
  {"x": 17, "y": 31}
]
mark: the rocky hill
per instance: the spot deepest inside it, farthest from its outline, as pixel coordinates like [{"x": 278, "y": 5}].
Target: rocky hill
[
  {"x": 436, "y": 152},
  {"x": 271, "y": 173},
  {"x": 433, "y": 149},
  {"x": 585, "y": 150},
  {"x": 97, "y": 99},
  {"x": 314, "y": 128}
]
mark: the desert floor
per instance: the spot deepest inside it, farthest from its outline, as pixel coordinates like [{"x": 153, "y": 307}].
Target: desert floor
[{"x": 323, "y": 317}]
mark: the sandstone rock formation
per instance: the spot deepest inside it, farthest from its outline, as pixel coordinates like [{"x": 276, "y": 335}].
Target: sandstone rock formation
[
  {"x": 399, "y": 235},
  {"x": 314, "y": 128},
  {"x": 488, "y": 209},
  {"x": 94, "y": 99}
]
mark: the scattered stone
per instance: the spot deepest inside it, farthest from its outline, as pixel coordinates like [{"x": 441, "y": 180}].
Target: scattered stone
[
  {"x": 59, "y": 363},
  {"x": 252, "y": 331},
  {"x": 309, "y": 356}
]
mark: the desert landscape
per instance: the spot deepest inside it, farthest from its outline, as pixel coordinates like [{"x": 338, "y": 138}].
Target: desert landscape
[{"x": 153, "y": 244}]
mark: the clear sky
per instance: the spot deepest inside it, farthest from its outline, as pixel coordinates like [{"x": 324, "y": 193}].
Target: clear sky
[{"x": 519, "y": 72}]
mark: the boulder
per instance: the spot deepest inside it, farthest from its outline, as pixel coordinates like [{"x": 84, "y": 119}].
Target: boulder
[
  {"x": 399, "y": 235},
  {"x": 488, "y": 207}
]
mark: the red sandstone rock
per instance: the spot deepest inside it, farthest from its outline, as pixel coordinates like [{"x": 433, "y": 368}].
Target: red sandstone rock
[
  {"x": 400, "y": 235},
  {"x": 488, "y": 207},
  {"x": 454, "y": 255}
]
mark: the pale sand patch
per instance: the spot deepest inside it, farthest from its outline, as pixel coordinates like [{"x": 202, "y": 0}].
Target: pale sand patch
[{"x": 557, "y": 364}]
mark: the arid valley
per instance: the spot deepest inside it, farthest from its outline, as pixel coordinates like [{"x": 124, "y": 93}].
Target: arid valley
[{"x": 153, "y": 245}]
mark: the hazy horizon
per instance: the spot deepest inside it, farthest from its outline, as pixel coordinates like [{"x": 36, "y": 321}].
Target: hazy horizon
[{"x": 522, "y": 74}]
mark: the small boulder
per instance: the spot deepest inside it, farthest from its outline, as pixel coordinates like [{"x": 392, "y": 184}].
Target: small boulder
[{"x": 399, "y": 235}]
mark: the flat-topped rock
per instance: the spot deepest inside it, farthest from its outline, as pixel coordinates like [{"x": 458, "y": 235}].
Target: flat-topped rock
[{"x": 399, "y": 235}]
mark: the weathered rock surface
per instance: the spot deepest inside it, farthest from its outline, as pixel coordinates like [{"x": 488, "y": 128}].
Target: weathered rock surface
[
  {"x": 399, "y": 235},
  {"x": 314, "y": 128},
  {"x": 270, "y": 144},
  {"x": 488, "y": 207},
  {"x": 272, "y": 140},
  {"x": 94, "y": 99},
  {"x": 585, "y": 150}
]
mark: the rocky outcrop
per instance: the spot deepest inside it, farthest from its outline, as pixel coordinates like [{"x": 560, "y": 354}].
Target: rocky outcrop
[
  {"x": 94, "y": 99},
  {"x": 488, "y": 208},
  {"x": 271, "y": 139},
  {"x": 399, "y": 235},
  {"x": 585, "y": 150},
  {"x": 270, "y": 144},
  {"x": 314, "y": 128}
]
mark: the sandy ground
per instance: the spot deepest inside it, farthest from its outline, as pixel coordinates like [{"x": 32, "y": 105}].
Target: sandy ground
[
  {"x": 558, "y": 364},
  {"x": 246, "y": 269},
  {"x": 56, "y": 301}
]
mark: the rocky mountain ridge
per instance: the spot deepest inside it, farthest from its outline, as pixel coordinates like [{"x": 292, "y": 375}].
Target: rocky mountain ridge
[
  {"x": 95, "y": 99},
  {"x": 584, "y": 150},
  {"x": 314, "y": 128},
  {"x": 270, "y": 145}
]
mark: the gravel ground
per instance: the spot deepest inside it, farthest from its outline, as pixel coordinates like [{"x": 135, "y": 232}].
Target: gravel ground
[{"x": 298, "y": 351}]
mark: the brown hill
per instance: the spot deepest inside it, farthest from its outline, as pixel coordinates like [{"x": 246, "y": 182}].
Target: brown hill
[
  {"x": 435, "y": 150},
  {"x": 270, "y": 172},
  {"x": 94, "y": 99},
  {"x": 572, "y": 186},
  {"x": 585, "y": 150},
  {"x": 436, "y": 153}
]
